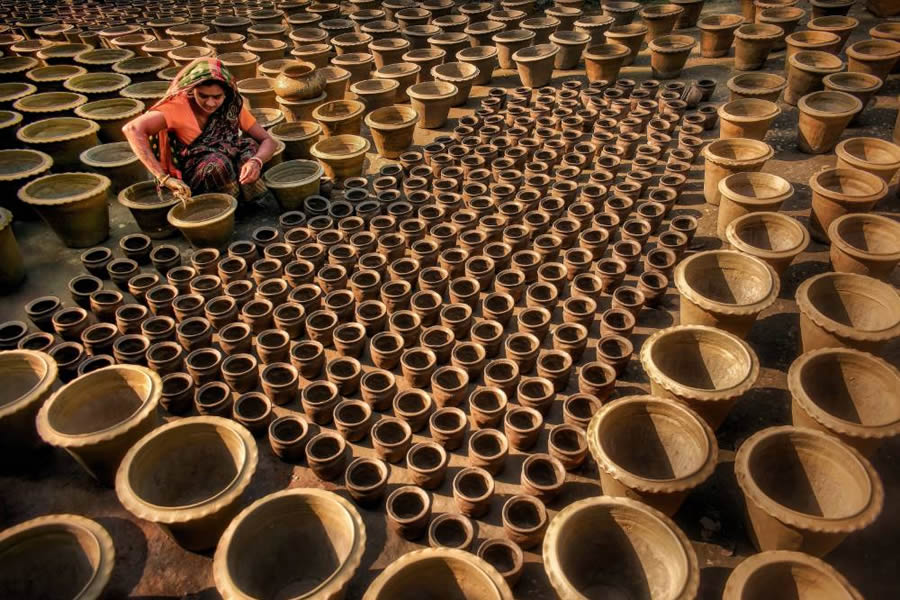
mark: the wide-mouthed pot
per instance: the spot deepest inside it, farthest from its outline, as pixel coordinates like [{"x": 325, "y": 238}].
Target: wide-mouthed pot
[
  {"x": 206, "y": 220},
  {"x": 159, "y": 478},
  {"x": 805, "y": 490},
  {"x": 111, "y": 115},
  {"x": 460, "y": 74},
  {"x": 99, "y": 415},
  {"x": 660, "y": 19},
  {"x": 717, "y": 34},
  {"x": 744, "y": 193},
  {"x": 392, "y": 129},
  {"x": 48, "y": 104},
  {"x": 703, "y": 367},
  {"x": 823, "y": 118},
  {"x": 876, "y": 57},
  {"x": 272, "y": 526},
  {"x": 432, "y": 101},
  {"x": 631, "y": 36},
  {"x": 748, "y": 118},
  {"x": 768, "y": 574},
  {"x": 298, "y": 138},
  {"x": 806, "y": 73},
  {"x": 616, "y": 547},
  {"x": 603, "y": 61},
  {"x": 622, "y": 12},
  {"x": 29, "y": 377},
  {"x": 56, "y": 556},
  {"x": 509, "y": 42},
  {"x": 867, "y": 244},
  {"x": 149, "y": 205},
  {"x": 535, "y": 64},
  {"x": 765, "y": 86},
  {"x": 787, "y": 18},
  {"x": 774, "y": 238},
  {"x": 118, "y": 162},
  {"x": 726, "y": 157},
  {"x": 341, "y": 156},
  {"x": 294, "y": 181},
  {"x": 753, "y": 42},
  {"x": 838, "y": 191},
  {"x": 571, "y": 46},
  {"x": 652, "y": 450},
  {"x": 847, "y": 310},
  {"x": 447, "y": 573},
  {"x": 74, "y": 205},
  {"x": 873, "y": 155},
  {"x": 404, "y": 73},
  {"x": 63, "y": 138}
]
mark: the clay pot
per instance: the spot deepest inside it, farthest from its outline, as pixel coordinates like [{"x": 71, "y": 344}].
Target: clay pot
[
  {"x": 505, "y": 556},
  {"x": 64, "y": 138},
  {"x": 785, "y": 17},
  {"x": 660, "y": 19},
  {"x": 640, "y": 533},
  {"x": 118, "y": 162},
  {"x": 669, "y": 53},
  {"x": 602, "y": 62},
  {"x": 860, "y": 85},
  {"x": 874, "y": 57},
  {"x": 242, "y": 65},
  {"x": 630, "y": 36},
  {"x": 774, "y": 238},
  {"x": 439, "y": 570},
  {"x": 744, "y": 193},
  {"x": 630, "y": 467},
  {"x": 726, "y": 157},
  {"x": 823, "y": 118},
  {"x": 748, "y": 118},
  {"x": 872, "y": 155},
  {"x": 149, "y": 206},
  {"x": 341, "y": 156},
  {"x": 460, "y": 74},
  {"x": 840, "y": 191},
  {"x": 535, "y": 64},
  {"x": 864, "y": 244},
  {"x": 705, "y": 368},
  {"x": 753, "y": 44},
  {"x": 207, "y": 220},
  {"x": 524, "y": 520},
  {"x": 805, "y": 490},
  {"x": 432, "y": 101},
  {"x": 99, "y": 438},
  {"x": 74, "y": 205},
  {"x": 837, "y": 311},
  {"x": 509, "y": 42},
  {"x": 392, "y": 129},
  {"x": 764, "y": 86},
  {"x": 808, "y": 575},
  {"x": 806, "y": 72},
  {"x": 294, "y": 181},
  {"x": 717, "y": 34},
  {"x": 571, "y": 45},
  {"x": 621, "y": 12},
  {"x": 810, "y": 40},
  {"x": 31, "y": 376}
]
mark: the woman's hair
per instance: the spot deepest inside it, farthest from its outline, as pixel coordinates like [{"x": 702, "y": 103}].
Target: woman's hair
[{"x": 225, "y": 88}]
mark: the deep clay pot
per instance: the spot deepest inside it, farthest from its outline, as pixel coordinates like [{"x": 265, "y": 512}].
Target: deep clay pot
[
  {"x": 31, "y": 376},
  {"x": 873, "y": 155},
  {"x": 294, "y": 181},
  {"x": 74, "y": 205},
  {"x": 603, "y": 62},
  {"x": 773, "y": 237},
  {"x": 756, "y": 577},
  {"x": 392, "y": 129},
  {"x": 341, "y": 156},
  {"x": 823, "y": 118},
  {"x": 669, "y": 53},
  {"x": 744, "y": 193},
  {"x": 748, "y": 118},
  {"x": 726, "y": 157},
  {"x": 206, "y": 220},
  {"x": 764, "y": 86},
  {"x": 535, "y": 64},
  {"x": 806, "y": 71},
  {"x": 838, "y": 191},
  {"x": 632, "y": 36},
  {"x": 717, "y": 34},
  {"x": 875, "y": 57},
  {"x": 660, "y": 19},
  {"x": 866, "y": 244},
  {"x": 753, "y": 42}
]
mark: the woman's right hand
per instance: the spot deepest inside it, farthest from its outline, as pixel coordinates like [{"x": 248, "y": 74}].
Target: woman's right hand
[{"x": 178, "y": 187}]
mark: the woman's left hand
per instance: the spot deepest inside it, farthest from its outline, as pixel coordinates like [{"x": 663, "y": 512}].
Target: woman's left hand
[{"x": 250, "y": 172}]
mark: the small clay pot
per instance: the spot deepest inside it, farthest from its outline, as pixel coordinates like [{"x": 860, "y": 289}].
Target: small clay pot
[
  {"x": 450, "y": 530},
  {"x": 473, "y": 489},
  {"x": 366, "y": 480},
  {"x": 353, "y": 419},
  {"x": 427, "y": 462},
  {"x": 391, "y": 439},
  {"x": 524, "y": 520},
  {"x": 448, "y": 427},
  {"x": 505, "y": 556},
  {"x": 254, "y": 411}
]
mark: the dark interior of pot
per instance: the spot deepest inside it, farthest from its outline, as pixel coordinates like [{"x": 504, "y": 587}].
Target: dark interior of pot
[
  {"x": 542, "y": 471},
  {"x": 274, "y": 531},
  {"x": 621, "y": 552},
  {"x": 852, "y": 387},
  {"x": 47, "y": 562},
  {"x": 815, "y": 476},
  {"x": 850, "y": 182},
  {"x": 252, "y": 406},
  {"x": 99, "y": 401},
  {"x": 701, "y": 359},
  {"x": 439, "y": 577},
  {"x": 855, "y": 302},
  {"x": 426, "y": 457},
  {"x": 521, "y": 419},
  {"x": 186, "y": 465},
  {"x": 451, "y": 532},
  {"x": 204, "y": 207},
  {"x": 488, "y": 444},
  {"x": 800, "y": 580},
  {"x": 18, "y": 161},
  {"x": 500, "y": 556},
  {"x": 21, "y": 373},
  {"x": 288, "y": 430},
  {"x": 448, "y": 421},
  {"x": 63, "y": 186},
  {"x": 775, "y": 233},
  {"x": 472, "y": 485},
  {"x": 870, "y": 235},
  {"x": 728, "y": 278},
  {"x": 48, "y": 129},
  {"x": 326, "y": 447}
]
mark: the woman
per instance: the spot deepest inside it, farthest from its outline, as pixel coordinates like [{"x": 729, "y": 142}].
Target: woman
[{"x": 192, "y": 141}]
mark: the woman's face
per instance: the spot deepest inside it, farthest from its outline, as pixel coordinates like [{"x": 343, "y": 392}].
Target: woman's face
[{"x": 209, "y": 97}]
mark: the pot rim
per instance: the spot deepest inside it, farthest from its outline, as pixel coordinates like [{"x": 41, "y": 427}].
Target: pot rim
[
  {"x": 130, "y": 204},
  {"x": 474, "y": 72},
  {"x": 356, "y": 109},
  {"x": 697, "y": 394},
  {"x": 450, "y": 91},
  {"x": 270, "y": 175},
  {"x": 804, "y": 106},
  {"x": 618, "y": 51},
  {"x": 748, "y": 90},
  {"x": 727, "y": 191},
  {"x": 20, "y": 89},
  {"x": 180, "y": 223},
  {"x": 46, "y": 161},
  {"x": 372, "y": 122},
  {"x": 89, "y": 157},
  {"x": 688, "y": 291},
  {"x": 762, "y": 31},
  {"x": 88, "y": 128},
  {"x": 782, "y": 14},
  {"x": 733, "y": 238},
  {"x": 575, "y": 38},
  {"x": 773, "y": 110},
  {"x": 511, "y": 36},
  {"x": 541, "y": 52},
  {"x": 553, "y": 538},
  {"x": 750, "y": 568},
  {"x": 378, "y": 85},
  {"x": 103, "y": 184},
  {"x": 818, "y": 188},
  {"x": 862, "y": 518},
  {"x": 307, "y": 131},
  {"x": 826, "y": 419},
  {"x": 843, "y": 152},
  {"x": 39, "y": 390},
  {"x": 853, "y": 50},
  {"x": 481, "y": 473},
  {"x": 638, "y": 482},
  {"x": 679, "y": 43},
  {"x": 84, "y": 111},
  {"x": 834, "y": 234},
  {"x": 798, "y": 39},
  {"x": 321, "y": 154},
  {"x": 821, "y": 320},
  {"x": 709, "y": 149},
  {"x": 830, "y": 82}
]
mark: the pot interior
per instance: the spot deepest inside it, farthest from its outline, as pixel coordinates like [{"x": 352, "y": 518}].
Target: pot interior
[
  {"x": 831, "y": 102},
  {"x": 728, "y": 278},
  {"x": 761, "y": 186},
  {"x": 854, "y": 302},
  {"x": 872, "y": 151},
  {"x": 805, "y": 582},
  {"x": 205, "y": 207},
  {"x": 99, "y": 401},
  {"x": 870, "y": 235},
  {"x": 449, "y": 578},
  {"x": 275, "y": 530},
  {"x": 701, "y": 359},
  {"x": 21, "y": 374},
  {"x": 450, "y": 532},
  {"x": 769, "y": 233}
]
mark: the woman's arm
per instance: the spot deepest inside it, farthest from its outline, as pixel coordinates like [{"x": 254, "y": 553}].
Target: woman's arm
[
  {"x": 252, "y": 168},
  {"x": 138, "y": 133}
]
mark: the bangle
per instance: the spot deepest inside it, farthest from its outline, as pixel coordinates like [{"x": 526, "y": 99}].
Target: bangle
[
  {"x": 164, "y": 179},
  {"x": 258, "y": 161}
]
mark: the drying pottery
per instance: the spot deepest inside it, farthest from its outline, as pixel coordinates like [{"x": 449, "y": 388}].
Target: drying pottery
[
  {"x": 571, "y": 46},
  {"x": 149, "y": 206},
  {"x": 30, "y": 377},
  {"x": 669, "y": 53},
  {"x": 535, "y": 64},
  {"x": 460, "y": 74},
  {"x": 823, "y": 118},
  {"x": 299, "y": 81},
  {"x": 847, "y": 310},
  {"x": 744, "y": 193},
  {"x": 787, "y": 18},
  {"x": 392, "y": 129},
  {"x": 652, "y": 450},
  {"x": 753, "y": 43},
  {"x": 158, "y": 479},
  {"x": 621, "y": 12},
  {"x": 48, "y": 104},
  {"x": 97, "y": 86},
  {"x": 806, "y": 72},
  {"x": 775, "y": 238},
  {"x": 874, "y": 57},
  {"x": 56, "y": 556},
  {"x": 726, "y": 157},
  {"x": 12, "y": 268},
  {"x": 660, "y": 19},
  {"x": 505, "y": 556},
  {"x": 508, "y": 43},
  {"x": 63, "y": 138},
  {"x": 450, "y": 530},
  {"x": 341, "y": 156},
  {"x": 111, "y": 115},
  {"x": 116, "y": 161},
  {"x": 764, "y": 86},
  {"x": 767, "y": 573},
  {"x": 432, "y": 101},
  {"x": 873, "y": 155},
  {"x": 800, "y": 41},
  {"x": 99, "y": 437},
  {"x": 840, "y": 25},
  {"x": 705, "y": 368},
  {"x": 748, "y": 118},
  {"x": 74, "y": 205},
  {"x": 206, "y": 220},
  {"x": 805, "y": 490},
  {"x": 298, "y": 137},
  {"x": 631, "y": 36},
  {"x": 615, "y": 546},
  {"x": 860, "y": 85},
  {"x": 272, "y": 526},
  {"x": 717, "y": 34},
  {"x": 839, "y": 191},
  {"x": 294, "y": 181},
  {"x": 603, "y": 62},
  {"x": 866, "y": 244}
]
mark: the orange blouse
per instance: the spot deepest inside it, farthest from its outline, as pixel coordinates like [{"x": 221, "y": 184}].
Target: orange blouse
[{"x": 180, "y": 118}]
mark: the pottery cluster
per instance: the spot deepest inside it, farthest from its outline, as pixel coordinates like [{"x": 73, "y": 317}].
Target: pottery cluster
[{"x": 469, "y": 300}]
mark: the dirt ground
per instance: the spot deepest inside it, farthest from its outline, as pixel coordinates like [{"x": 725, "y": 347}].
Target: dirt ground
[{"x": 150, "y": 565}]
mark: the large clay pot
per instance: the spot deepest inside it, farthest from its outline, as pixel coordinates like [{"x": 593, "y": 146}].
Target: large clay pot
[
  {"x": 535, "y": 64},
  {"x": 682, "y": 454},
  {"x": 703, "y": 367},
  {"x": 118, "y": 162},
  {"x": 432, "y": 100},
  {"x": 74, "y": 205},
  {"x": 753, "y": 44},
  {"x": 30, "y": 377},
  {"x": 342, "y": 156},
  {"x": 692, "y": 10},
  {"x": 717, "y": 34},
  {"x": 241, "y": 65},
  {"x": 63, "y": 138},
  {"x": 48, "y": 104},
  {"x": 12, "y": 267},
  {"x": 439, "y": 571},
  {"x": 847, "y": 310},
  {"x": 875, "y": 57},
  {"x": 764, "y": 575},
  {"x": 615, "y": 547},
  {"x": 603, "y": 62},
  {"x": 805, "y": 490},
  {"x": 299, "y": 81},
  {"x": 860, "y": 85},
  {"x": 56, "y": 556},
  {"x": 298, "y": 137},
  {"x": 802, "y": 41},
  {"x": 724, "y": 289},
  {"x": 508, "y": 43},
  {"x": 18, "y": 167},
  {"x": 669, "y": 53},
  {"x": 823, "y": 118},
  {"x": 99, "y": 415},
  {"x": 873, "y": 155},
  {"x": 867, "y": 244},
  {"x": 748, "y": 118},
  {"x": 405, "y": 74},
  {"x": 726, "y": 157},
  {"x": 97, "y": 86},
  {"x": 774, "y": 238},
  {"x": 206, "y": 220},
  {"x": 340, "y": 117},
  {"x": 622, "y": 12},
  {"x": 571, "y": 46},
  {"x": 806, "y": 71},
  {"x": 158, "y": 480},
  {"x": 840, "y": 25},
  {"x": 839, "y": 191},
  {"x": 660, "y": 19},
  {"x": 744, "y": 193},
  {"x": 785, "y": 17},
  {"x": 631, "y": 36},
  {"x": 848, "y": 394},
  {"x": 149, "y": 205},
  {"x": 594, "y": 26},
  {"x": 111, "y": 115},
  {"x": 392, "y": 129},
  {"x": 294, "y": 181},
  {"x": 762, "y": 86},
  {"x": 460, "y": 74},
  {"x": 271, "y": 527}
]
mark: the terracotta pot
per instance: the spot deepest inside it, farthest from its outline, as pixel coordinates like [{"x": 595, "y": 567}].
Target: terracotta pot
[
  {"x": 669, "y": 53},
  {"x": 64, "y": 138},
  {"x": 747, "y": 118},
  {"x": 802, "y": 41},
  {"x": 116, "y": 161},
  {"x": 840, "y": 191},
  {"x": 603, "y": 62},
  {"x": 882, "y": 8},
  {"x": 32, "y": 376},
  {"x": 444, "y": 570},
  {"x": 774, "y": 238},
  {"x": 631, "y": 36},
  {"x": 110, "y": 114},
  {"x": 744, "y": 193},
  {"x": 753, "y": 44},
  {"x": 823, "y": 118},
  {"x": 571, "y": 45},
  {"x": 293, "y": 182},
  {"x": 508, "y": 43},
  {"x": 392, "y": 129},
  {"x": 785, "y": 17},
  {"x": 149, "y": 207},
  {"x": 432, "y": 101},
  {"x": 784, "y": 473},
  {"x": 874, "y": 57},
  {"x": 726, "y": 157},
  {"x": 98, "y": 439},
  {"x": 621, "y": 12},
  {"x": 206, "y": 221},
  {"x": 74, "y": 205},
  {"x": 299, "y": 81},
  {"x": 524, "y": 520},
  {"x": 860, "y": 85},
  {"x": 806, "y": 72},
  {"x": 763, "y": 86},
  {"x": 705, "y": 368},
  {"x": 460, "y": 74},
  {"x": 535, "y": 64},
  {"x": 543, "y": 28},
  {"x": 405, "y": 74},
  {"x": 242, "y": 65},
  {"x": 872, "y": 155},
  {"x": 640, "y": 532},
  {"x": 806, "y": 574},
  {"x": 341, "y": 156},
  {"x": 298, "y": 137}
]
